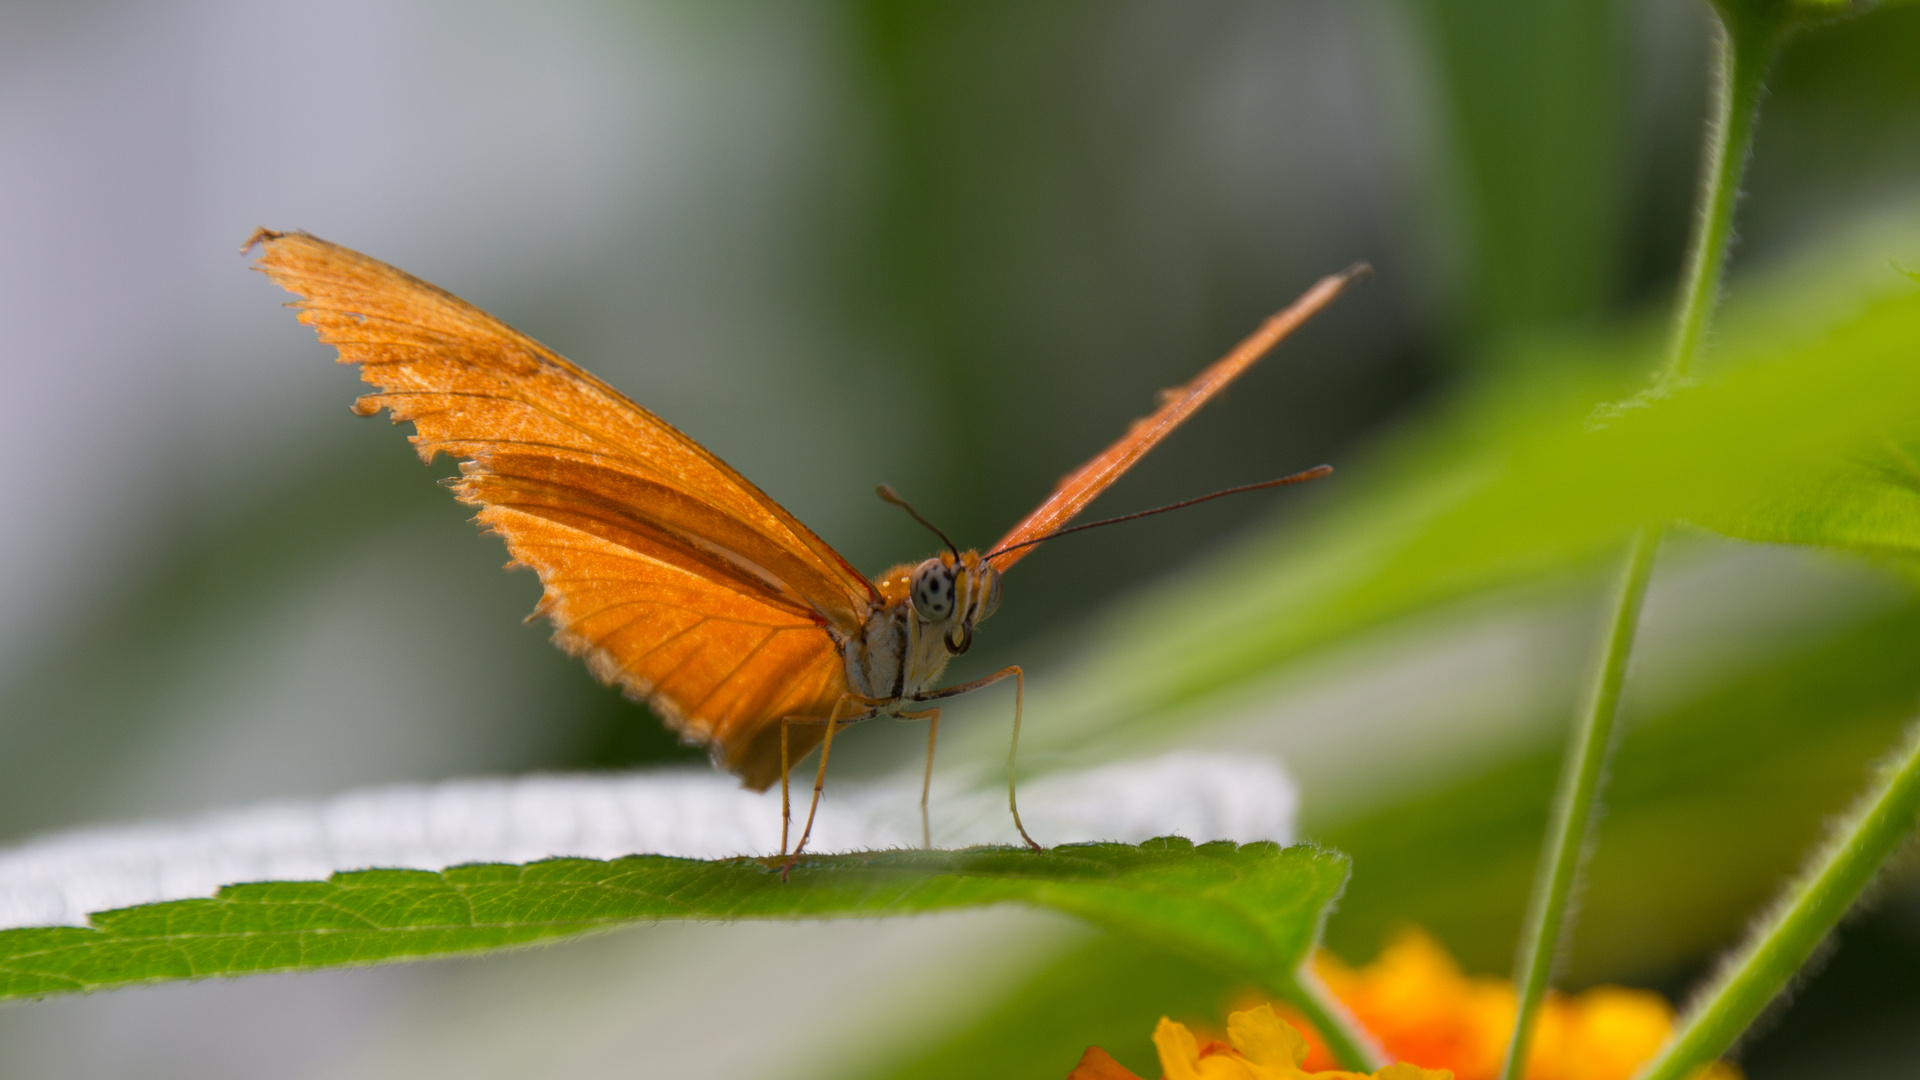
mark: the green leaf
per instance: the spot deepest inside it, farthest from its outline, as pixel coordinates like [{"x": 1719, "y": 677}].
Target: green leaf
[
  {"x": 1254, "y": 909},
  {"x": 1105, "y": 993},
  {"x": 1801, "y": 434},
  {"x": 1714, "y": 797},
  {"x": 1506, "y": 484}
]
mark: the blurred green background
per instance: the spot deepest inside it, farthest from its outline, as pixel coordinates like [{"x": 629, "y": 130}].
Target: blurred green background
[{"x": 953, "y": 247}]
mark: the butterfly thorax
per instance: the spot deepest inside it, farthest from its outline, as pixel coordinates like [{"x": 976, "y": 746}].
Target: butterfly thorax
[{"x": 927, "y": 619}]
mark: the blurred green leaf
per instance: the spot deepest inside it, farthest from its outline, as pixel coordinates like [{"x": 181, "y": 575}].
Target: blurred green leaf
[
  {"x": 1713, "y": 799},
  {"x": 1537, "y": 97},
  {"x": 1800, "y": 438},
  {"x": 1711, "y": 802},
  {"x": 1795, "y": 434},
  {"x": 1107, "y": 993},
  {"x": 1255, "y": 909},
  {"x": 1838, "y": 130},
  {"x": 1826, "y": 8}
]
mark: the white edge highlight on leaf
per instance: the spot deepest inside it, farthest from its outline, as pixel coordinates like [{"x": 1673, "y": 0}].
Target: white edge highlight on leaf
[{"x": 59, "y": 879}]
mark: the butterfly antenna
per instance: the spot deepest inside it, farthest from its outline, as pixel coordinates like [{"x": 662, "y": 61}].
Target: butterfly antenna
[
  {"x": 885, "y": 491},
  {"x": 1314, "y": 473}
]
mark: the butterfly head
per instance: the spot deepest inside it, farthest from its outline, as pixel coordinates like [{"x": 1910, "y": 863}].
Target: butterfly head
[{"x": 950, "y": 594}]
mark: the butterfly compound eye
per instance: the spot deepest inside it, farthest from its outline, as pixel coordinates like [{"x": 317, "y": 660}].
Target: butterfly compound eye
[{"x": 933, "y": 590}]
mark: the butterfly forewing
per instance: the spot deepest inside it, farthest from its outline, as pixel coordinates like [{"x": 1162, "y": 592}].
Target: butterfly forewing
[
  {"x": 1083, "y": 485},
  {"x": 673, "y": 575}
]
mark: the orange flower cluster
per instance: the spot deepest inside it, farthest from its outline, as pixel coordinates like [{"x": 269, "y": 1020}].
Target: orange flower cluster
[{"x": 1422, "y": 1009}]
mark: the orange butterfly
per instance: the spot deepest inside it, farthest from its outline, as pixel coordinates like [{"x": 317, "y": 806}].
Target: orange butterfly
[{"x": 669, "y": 573}]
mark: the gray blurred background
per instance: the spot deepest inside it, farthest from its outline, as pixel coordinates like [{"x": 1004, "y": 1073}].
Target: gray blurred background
[{"x": 953, "y": 247}]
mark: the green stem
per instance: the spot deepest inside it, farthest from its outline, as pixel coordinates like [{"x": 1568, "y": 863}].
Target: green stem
[
  {"x": 1352, "y": 1047},
  {"x": 1745, "y": 46},
  {"x": 1579, "y": 789},
  {"x": 1877, "y": 825},
  {"x": 1750, "y": 34}
]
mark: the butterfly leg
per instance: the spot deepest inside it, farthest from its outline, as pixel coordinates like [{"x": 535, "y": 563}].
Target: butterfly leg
[
  {"x": 932, "y": 716},
  {"x": 786, "y": 804},
  {"x": 1013, "y": 749},
  {"x": 819, "y": 782}
]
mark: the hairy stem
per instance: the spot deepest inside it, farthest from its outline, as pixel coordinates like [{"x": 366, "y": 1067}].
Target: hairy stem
[
  {"x": 1749, "y": 36},
  {"x": 1782, "y": 943},
  {"x": 1350, "y": 1043},
  {"x": 1581, "y": 774},
  {"x": 1745, "y": 46}
]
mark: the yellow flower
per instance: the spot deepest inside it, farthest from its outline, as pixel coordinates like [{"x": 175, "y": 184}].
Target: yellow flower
[{"x": 1259, "y": 1046}]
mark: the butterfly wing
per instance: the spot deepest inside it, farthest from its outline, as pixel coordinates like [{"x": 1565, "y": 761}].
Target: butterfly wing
[
  {"x": 669, "y": 573},
  {"x": 1085, "y": 484}
]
